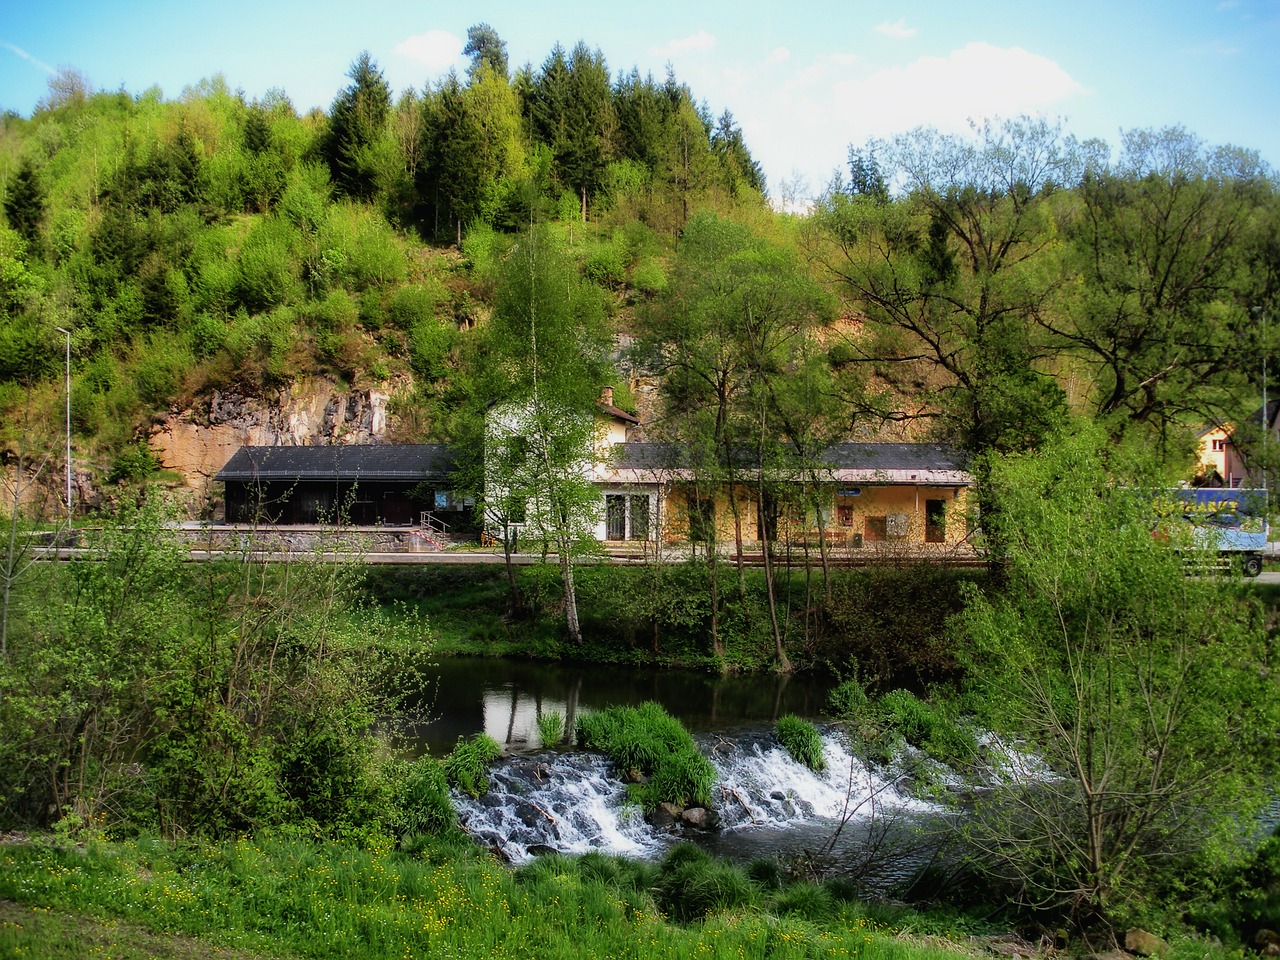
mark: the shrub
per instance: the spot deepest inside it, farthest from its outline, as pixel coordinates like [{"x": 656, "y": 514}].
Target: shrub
[
  {"x": 550, "y": 728},
  {"x": 921, "y": 725},
  {"x": 802, "y": 741},
  {"x": 268, "y": 271},
  {"x": 648, "y": 742},
  {"x": 135, "y": 462},
  {"x": 420, "y": 800},
  {"x": 606, "y": 266},
  {"x": 429, "y": 344},
  {"x": 848, "y": 700},
  {"x": 648, "y": 277},
  {"x": 371, "y": 253},
  {"x": 811, "y": 901},
  {"x": 691, "y": 884},
  {"x": 409, "y": 306},
  {"x": 160, "y": 368},
  {"x": 466, "y": 764}
]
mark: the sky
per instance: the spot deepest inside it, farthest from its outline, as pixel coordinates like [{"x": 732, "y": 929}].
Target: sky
[{"x": 804, "y": 79}]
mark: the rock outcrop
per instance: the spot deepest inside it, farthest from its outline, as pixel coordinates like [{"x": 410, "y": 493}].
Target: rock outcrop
[{"x": 197, "y": 442}]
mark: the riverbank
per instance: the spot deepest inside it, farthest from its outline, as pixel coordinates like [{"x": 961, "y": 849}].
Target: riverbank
[
  {"x": 294, "y": 898},
  {"x": 887, "y": 622}
]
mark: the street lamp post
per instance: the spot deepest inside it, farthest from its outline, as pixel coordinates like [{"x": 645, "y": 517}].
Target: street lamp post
[{"x": 67, "y": 334}]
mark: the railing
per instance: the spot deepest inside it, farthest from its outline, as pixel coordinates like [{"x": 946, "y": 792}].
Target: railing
[{"x": 433, "y": 523}]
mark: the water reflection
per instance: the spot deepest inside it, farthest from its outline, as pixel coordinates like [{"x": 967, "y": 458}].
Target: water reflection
[{"x": 503, "y": 698}]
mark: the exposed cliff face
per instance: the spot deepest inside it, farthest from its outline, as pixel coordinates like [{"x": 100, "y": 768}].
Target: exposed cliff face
[{"x": 197, "y": 442}]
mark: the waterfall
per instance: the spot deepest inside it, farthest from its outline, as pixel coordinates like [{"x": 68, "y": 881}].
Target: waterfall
[{"x": 572, "y": 802}]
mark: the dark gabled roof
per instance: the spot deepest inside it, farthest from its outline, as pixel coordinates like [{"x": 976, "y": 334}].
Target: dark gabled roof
[
  {"x": 1273, "y": 411},
  {"x": 408, "y": 462},
  {"x": 839, "y": 456}
]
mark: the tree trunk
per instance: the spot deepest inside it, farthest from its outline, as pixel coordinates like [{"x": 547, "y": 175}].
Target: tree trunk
[{"x": 570, "y": 595}]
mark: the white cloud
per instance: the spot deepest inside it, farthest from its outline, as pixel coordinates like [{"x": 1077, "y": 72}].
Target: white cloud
[
  {"x": 778, "y": 55},
  {"x": 828, "y": 103},
  {"x": 898, "y": 29},
  {"x": 437, "y": 49},
  {"x": 698, "y": 42},
  {"x": 978, "y": 80},
  {"x": 30, "y": 59}
]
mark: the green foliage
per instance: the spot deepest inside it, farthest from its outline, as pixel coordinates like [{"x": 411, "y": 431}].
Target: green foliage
[
  {"x": 149, "y": 695},
  {"x": 266, "y": 895},
  {"x": 848, "y": 700},
  {"x": 648, "y": 277},
  {"x": 133, "y": 464},
  {"x": 802, "y": 740},
  {"x": 360, "y": 249},
  {"x": 1146, "y": 689},
  {"x": 691, "y": 885},
  {"x": 420, "y": 800},
  {"x": 357, "y": 122},
  {"x": 1244, "y": 898},
  {"x": 267, "y": 268},
  {"x": 923, "y": 725},
  {"x": 550, "y": 728},
  {"x": 606, "y": 265},
  {"x": 466, "y": 763},
  {"x": 430, "y": 343},
  {"x": 648, "y": 742},
  {"x": 24, "y": 204}
]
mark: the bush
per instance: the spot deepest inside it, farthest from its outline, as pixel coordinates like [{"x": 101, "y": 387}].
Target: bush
[
  {"x": 691, "y": 884},
  {"x": 606, "y": 266},
  {"x": 648, "y": 277},
  {"x": 420, "y": 800},
  {"x": 268, "y": 271},
  {"x": 409, "y": 306},
  {"x": 802, "y": 741},
  {"x": 848, "y": 700},
  {"x": 646, "y": 741},
  {"x": 370, "y": 253},
  {"x": 135, "y": 462},
  {"x": 550, "y": 728},
  {"x": 921, "y": 725},
  {"x": 429, "y": 344},
  {"x": 466, "y": 764}
]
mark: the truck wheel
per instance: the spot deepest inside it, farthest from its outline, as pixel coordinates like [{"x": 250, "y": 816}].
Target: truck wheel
[{"x": 1252, "y": 566}]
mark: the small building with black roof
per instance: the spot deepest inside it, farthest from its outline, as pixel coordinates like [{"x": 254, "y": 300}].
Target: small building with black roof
[{"x": 364, "y": 485}]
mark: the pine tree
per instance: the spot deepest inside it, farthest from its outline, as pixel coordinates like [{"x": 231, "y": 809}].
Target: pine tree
[{"x": 24, "y": 204}]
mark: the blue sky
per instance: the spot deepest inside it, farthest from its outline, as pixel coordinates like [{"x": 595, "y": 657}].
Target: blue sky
[{"x": 804, "y": 79}]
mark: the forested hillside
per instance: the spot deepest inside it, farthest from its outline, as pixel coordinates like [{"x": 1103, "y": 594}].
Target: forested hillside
[{"x": 977, "y": 290}]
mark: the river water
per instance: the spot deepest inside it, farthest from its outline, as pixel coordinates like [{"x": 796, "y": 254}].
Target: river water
[
  {"x": 555, "y": 797},
  {"x": 503, "y": 698}
]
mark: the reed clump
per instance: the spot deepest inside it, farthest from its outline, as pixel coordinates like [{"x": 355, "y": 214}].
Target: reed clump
[{"x": 654, "y": 749}]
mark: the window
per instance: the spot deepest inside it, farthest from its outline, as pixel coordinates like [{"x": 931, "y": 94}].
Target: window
[
  {"x": 1219, "y": 445},
  {"x": 626, "y": 516},
  {"x": 845, "y": 515},
  {"x": 640, "y": 516},
  {"x": 615, "y": 517}
]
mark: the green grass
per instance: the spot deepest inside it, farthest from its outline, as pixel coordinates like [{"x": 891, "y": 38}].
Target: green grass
[
  {"x": 467, "y": 763},
  {"x": 802, "y": 741},
  {"x": 550, "y": 728},
  {"x": 323, "y": 900},
  {"x": 648, "y": 741}
]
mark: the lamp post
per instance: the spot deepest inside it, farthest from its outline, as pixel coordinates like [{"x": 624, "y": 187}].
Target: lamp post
[{"x": 67, "y": 334}]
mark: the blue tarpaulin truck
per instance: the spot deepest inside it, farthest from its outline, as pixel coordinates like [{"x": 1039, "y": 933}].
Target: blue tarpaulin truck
[{"x": 1229, "y": 524}]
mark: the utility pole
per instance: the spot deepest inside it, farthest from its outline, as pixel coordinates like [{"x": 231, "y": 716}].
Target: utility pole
[{"x": 67, "y": 334}]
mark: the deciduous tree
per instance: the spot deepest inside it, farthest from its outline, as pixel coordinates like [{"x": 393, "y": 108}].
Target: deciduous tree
[{"x": 1149, "y": 695}]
